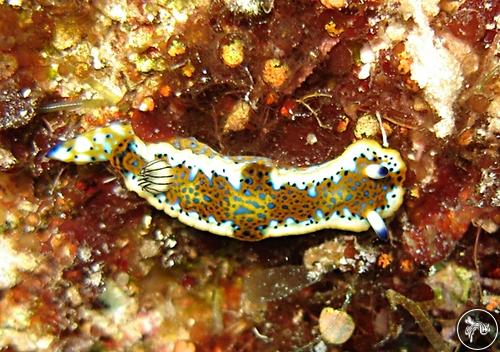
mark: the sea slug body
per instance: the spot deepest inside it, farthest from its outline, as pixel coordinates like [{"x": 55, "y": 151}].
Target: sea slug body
[{"x": 244, "y": 197}]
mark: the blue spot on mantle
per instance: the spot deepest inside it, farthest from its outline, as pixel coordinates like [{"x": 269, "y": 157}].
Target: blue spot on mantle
[{"x": 242, "y": 211}]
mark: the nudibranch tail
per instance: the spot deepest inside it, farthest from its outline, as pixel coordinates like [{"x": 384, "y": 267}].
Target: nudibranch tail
[{"x": 93, "y": 146}]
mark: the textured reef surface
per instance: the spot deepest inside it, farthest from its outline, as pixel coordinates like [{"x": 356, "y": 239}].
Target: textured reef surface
[{"x": 87, "y": 265}]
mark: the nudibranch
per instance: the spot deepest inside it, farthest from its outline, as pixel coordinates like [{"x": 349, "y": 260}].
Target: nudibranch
[{"x": 244, "y": 197}]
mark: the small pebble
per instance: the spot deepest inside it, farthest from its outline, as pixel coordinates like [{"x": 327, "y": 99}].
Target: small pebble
[
  {"x": 364, "y": 72},
  {"x": 311, "y": 139},
  {"x": 366, "y": 54},
  {"x": 335, "y": 326},
  {"x": 147, "y": 104}
]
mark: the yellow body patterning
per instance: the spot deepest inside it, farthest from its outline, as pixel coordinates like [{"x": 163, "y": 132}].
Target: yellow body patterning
[{"x": 249, "y": 198}]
